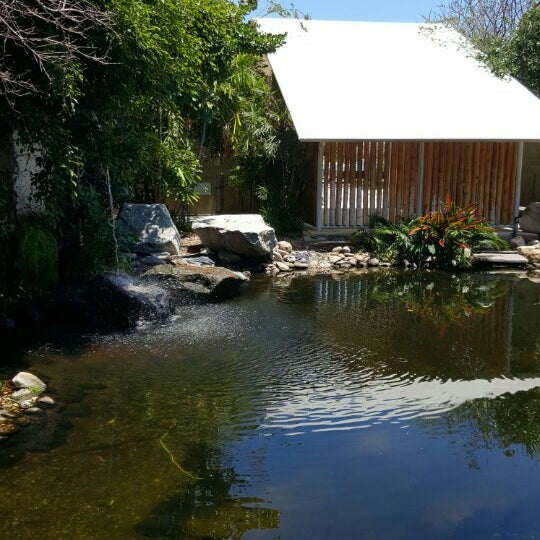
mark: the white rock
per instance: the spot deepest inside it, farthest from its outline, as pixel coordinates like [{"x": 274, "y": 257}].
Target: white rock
[
  {"x": 374, "y": 262},
  {"x": 28, "y": 380},
  {"x": 337, "y": 249},
  {"x": 46, "y": 401},
  {"x": 244, "y": 234},
  {"x": 334, "y": 259},
  {"x": 531, "y": 252},
  {"x": 285, "y": 246},
  {"x": 346, "y": 249},
  {"x": 284, "y": 267}
]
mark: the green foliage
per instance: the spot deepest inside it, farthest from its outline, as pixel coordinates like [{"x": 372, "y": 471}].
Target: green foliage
[
  {"x": 444, "y": 238},
  {"x": 505, "y": 32},
  {"x": 176, "y": 77},
  {"x": 269, "y": 161},
  {"x": 37, "y": 257},
  {"x": 520, "y": 55}
]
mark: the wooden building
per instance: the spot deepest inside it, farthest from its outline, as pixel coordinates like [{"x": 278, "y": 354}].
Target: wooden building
[{"x": 398, "y": 117}]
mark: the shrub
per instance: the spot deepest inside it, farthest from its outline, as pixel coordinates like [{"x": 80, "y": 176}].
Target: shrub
[
  {"x": 37, "y": 258},
  {"x": 444, "y": 238}
]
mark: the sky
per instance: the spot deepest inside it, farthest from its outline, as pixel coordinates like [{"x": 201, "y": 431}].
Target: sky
[{"x": 367, "y": 10}]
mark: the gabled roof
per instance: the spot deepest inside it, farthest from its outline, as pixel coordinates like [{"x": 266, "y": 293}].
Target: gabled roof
[{"x": 394, "y": 81}]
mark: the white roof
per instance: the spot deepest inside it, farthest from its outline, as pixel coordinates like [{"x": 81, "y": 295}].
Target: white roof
[{"x": 394, "y": 81}]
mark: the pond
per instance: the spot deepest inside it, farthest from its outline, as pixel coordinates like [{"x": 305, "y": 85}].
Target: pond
[{"x": 379, "y": 405}]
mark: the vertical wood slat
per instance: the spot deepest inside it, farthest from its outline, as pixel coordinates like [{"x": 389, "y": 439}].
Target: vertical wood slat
[
  {"x": 373, "y": 179},
  {"x": 346, "y": 185},
  {"x": 404, "y": 178},
  {"x": 326, "y": 169},
  {"x": 448, "y": 172},
  {"x": 354, "y": 185},
  {"x": 380, "y": 178},
  {"x": 488, "y": 167},
  {"x": 359, "y": 182},
  {"x": 339, "y": 184},
  {"x": 386, "y": 175},
  {"x": 508, "y": 189},
  {"x": 428, "y": 175},
  {"x": 500, "y": 181},
  {"x": 476, "y": 174},
  {"x": 493, "y": 183},
  {"x": 366, "y": 180}
]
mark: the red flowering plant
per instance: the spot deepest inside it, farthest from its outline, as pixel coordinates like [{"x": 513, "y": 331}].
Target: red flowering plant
[{"x": 444, "y": 238}]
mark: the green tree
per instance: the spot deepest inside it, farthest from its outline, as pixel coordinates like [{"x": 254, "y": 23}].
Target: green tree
[
  {"x": 505, "y": 32},
  {"x": 158, "y": 83}
]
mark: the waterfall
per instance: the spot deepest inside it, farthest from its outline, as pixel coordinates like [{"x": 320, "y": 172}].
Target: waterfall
[{"x": 112, "y": 220}]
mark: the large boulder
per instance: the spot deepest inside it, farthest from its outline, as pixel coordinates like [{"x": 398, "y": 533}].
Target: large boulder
[
  {"x": 147, "y": 229},
  {"x": 244, "y": 234},
  {"x": 120, "y": 301},
  {"x": 190, "y": 283},
  {"x": 530, "y": 218}
]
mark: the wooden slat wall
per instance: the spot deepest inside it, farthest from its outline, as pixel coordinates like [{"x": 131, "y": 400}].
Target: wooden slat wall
[
  {"x": 471, "y": 172},
  {"x": 379, "y": 178}
]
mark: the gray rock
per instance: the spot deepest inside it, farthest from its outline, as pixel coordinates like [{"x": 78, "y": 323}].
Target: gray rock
[
  {"x": 147, "y": 229},
  {"x": 301, "y": 265},
  {"x": 284, "y": 267},
  {"x": 120, "y": 301},
  {"x": 199, "y": 260},
  {"x": 335, "y": 258},
  {"x": 516, "y": 242},
  {"x": 374, "y": 262},
  {"x": 189, "y": 283},
  {"x": 34, "y": 410},
  {"x": 23, "y": 394},
  {"x": 151, "y": 260},
  {"x": 346, "y": 249},
  {"x": 28, "y": 403},
  {"x": 28, "y": 380},
  {"x": 243, "y": 234},
  {"x": 530, "y": 218},
  {"x": 228, "y": 257},
  {"x": 533, "y": 243},
  {"x": 337, "y": 249}
]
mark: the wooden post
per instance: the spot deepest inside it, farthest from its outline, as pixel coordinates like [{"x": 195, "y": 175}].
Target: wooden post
[
  {"x": 517, "y": 186},
  {"x": 319, "y": 208},
  {"x": 420, "y": 179}
]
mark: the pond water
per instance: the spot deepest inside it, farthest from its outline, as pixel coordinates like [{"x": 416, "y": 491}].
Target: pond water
[{"x": 382, "y": 405}]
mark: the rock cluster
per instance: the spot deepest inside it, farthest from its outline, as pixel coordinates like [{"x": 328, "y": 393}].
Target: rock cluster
[
  {"x": 21, "y": 399},
  {"x": 285, "y": 259}
]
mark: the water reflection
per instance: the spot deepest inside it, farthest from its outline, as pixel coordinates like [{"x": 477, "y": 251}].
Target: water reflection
[{"x": 412, "y": 400}]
